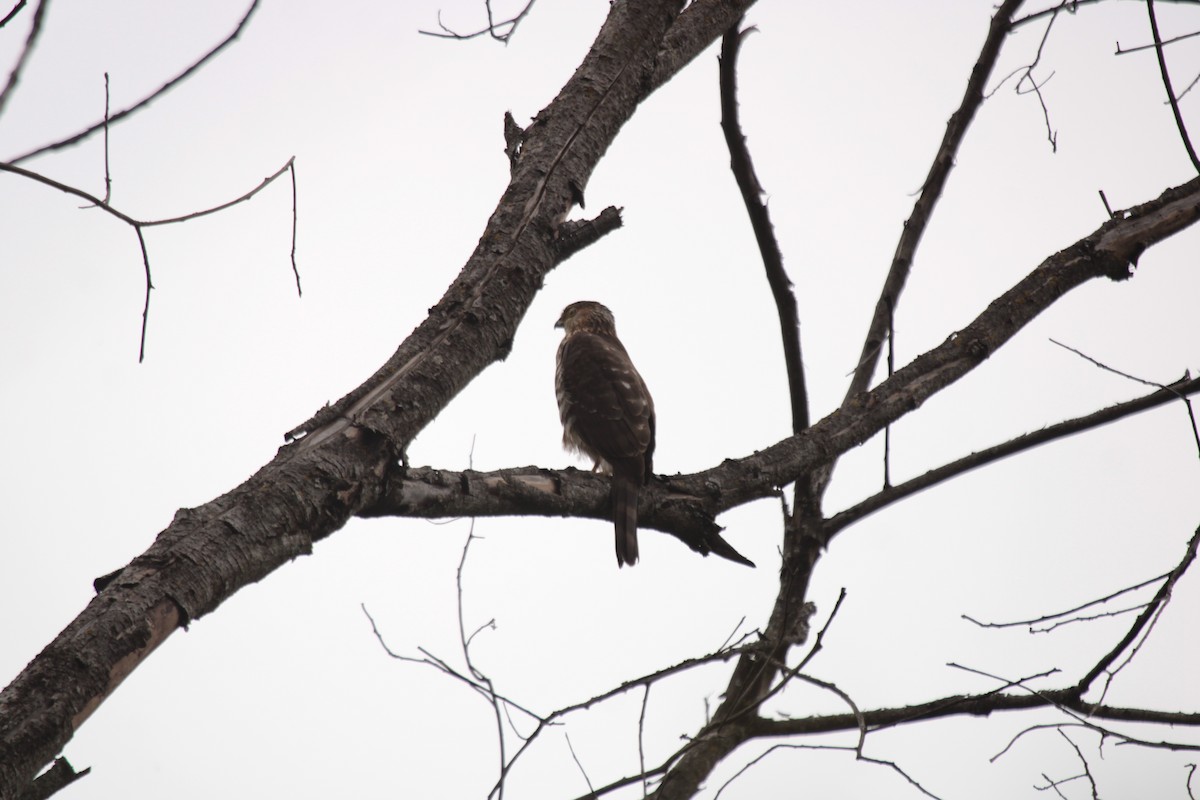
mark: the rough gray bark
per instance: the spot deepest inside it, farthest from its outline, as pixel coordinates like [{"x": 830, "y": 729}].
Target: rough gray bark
[{"x": 341, "y": 467}]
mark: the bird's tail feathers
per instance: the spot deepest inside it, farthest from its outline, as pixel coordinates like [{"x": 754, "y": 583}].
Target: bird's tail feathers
[{"x": 625, "y": 503}]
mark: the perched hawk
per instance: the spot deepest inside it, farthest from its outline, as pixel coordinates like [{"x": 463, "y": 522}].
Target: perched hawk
[{"x": 606, "y": 410}]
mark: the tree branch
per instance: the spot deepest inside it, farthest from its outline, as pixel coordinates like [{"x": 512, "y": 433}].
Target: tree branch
[
  {"x": 35, "y": 29},
  {"x": 1166, "y": 79},
  {"x": 1019, "y": 444},
  {"x": 145, "y": 101},
  {"x": 760, "y": 221},
  {"x": 931, "y": 192},
  {"x": 1161, "y": 597}
]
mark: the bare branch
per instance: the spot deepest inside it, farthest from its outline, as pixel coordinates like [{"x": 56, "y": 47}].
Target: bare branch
[
  {"x": 931, "y": 192},
  {"x": 1166, "y": 79},
  {"x": 1187, "y": 403},
  {"x": 1154, "y": 46},
  {"x": 1019, "y": 444},
  {"x": 145, "y": 101},
  {"x": 578, "y": 763},
  {"x": 35, "y": 30},
  {"x": 13, "y": 13},
  {"x": 1058, "y": 615},
  {"x": 760, "y": 221},
  {"x": 138, "y": 224},
  {"x": 1160, "y": 599}
]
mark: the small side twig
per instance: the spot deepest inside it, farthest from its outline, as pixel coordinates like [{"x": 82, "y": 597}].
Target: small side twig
[
  {"x": 500, "y": 31},
  {"x": 642, "y": 742},
  {"x": 1064, "y": 617},
  {"x": 1087, "y": 771},
  {"x": 1027, "y": 84}
]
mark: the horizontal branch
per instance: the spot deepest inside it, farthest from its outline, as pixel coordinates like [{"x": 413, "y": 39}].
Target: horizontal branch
[
  {"x": 425, "y": 492},
  {"x": 979, "y": 705}
]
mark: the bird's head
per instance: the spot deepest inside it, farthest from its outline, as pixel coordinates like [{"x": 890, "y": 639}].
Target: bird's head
[{"x": 587, "y": 315}]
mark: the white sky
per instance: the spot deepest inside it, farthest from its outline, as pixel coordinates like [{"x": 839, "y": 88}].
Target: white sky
[{"x": 397, "y": 137}]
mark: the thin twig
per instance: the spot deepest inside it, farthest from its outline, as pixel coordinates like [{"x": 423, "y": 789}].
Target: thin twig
[
  {"x": 1087, "y": 772},
  {"x": 107, "y": 172},
  {"x": 642, "y": 741},
  {"x": 578, "y": 763},
  {"x": 295, "y": 225},
  {"x": 138, "y": 224},
  {"x": 1059, "y": 614},
  {"x": 145, "y": 101},
  {"x": 476, "y": 673},
  {"x": 492, "y": 29},
  {"x": 1186, "y": 402},
  {"x": 553, "y": 717},
  {"x": 1166, "y": 78},
  {"x": 1154, "y": 46},
  {"x": 887, "y": 430}
]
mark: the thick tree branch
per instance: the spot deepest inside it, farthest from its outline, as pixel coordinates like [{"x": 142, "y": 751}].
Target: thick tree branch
[
  {"x": 700, "y": 24},
  {"x": 424, "y": 492},
  {"x": 310, "y": 489}
]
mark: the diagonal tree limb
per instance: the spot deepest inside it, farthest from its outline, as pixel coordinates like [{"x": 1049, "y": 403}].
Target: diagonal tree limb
[
  {"x": 760, "y": 221},
  {"x": 931, "y": 192},
  {"x": 312, "y": 488},
  {"x": 1166, "y": 79},
  {"x": 35, "y": 29},
  {"x": 16, "y": 9},
  {"x": 1013, "y": 446},
  {"x": 1161, "y": 597},
  {"x": 145, "y": 101}
]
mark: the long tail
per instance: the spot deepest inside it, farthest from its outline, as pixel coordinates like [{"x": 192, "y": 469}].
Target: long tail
[{"x": 624, "y": 504}]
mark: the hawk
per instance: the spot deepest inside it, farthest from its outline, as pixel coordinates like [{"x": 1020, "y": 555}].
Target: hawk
[{"x": 607, "y": 412}]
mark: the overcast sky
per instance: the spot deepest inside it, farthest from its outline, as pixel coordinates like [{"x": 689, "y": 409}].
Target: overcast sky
[{"x": 284, "y": 692}]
